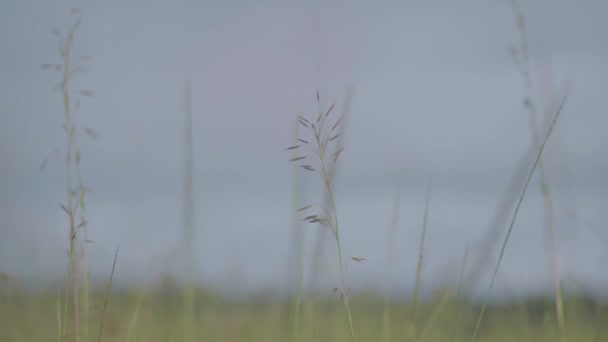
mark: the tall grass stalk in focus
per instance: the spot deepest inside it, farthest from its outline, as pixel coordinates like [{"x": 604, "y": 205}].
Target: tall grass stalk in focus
[
  {"x": 75, "y": 208},
  {"x": 319, "y": 152}
]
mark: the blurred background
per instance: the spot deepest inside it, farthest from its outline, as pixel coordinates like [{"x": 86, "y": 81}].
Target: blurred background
[
  {"x": 434, "y": 97},
  {"x": 435, "y": 92}
]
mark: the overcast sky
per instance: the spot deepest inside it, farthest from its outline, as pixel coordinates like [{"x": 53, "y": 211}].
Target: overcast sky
[{"x": 435, "y": 92}]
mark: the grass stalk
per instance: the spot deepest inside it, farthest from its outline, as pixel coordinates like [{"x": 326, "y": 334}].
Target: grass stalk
[
  {"x": 411, "y": 333},
  {"x": 345, "y": 289},
  {"x": 107, "y": 297},
  {"x": 525, "y": 68},
  {"x": 85, "y": 255},
  {"x": 75, "y": 206},
  {"x": 323, "y": 153},
  {"x": 506, "y": 240}
]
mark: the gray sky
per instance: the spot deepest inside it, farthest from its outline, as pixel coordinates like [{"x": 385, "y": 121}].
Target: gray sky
[{"x": 435, "y": 92}]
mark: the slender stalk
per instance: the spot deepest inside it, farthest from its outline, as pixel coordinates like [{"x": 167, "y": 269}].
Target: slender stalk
[
  {"x": 411, "y": 333},
  {"x": 85, "y": 254},
  {"x": 324, "y": 156},
  {"x": 506, "y": 240},
  {"x": 345, "y": 288},
  {"x": 70, "y": 131},
  {"x": 107, "y": 298},
  {"x": 75, "y": 205},
  {"x": 525, "y": 69}
]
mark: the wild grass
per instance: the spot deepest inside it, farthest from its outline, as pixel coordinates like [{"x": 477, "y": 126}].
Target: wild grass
[
  {"x": 221, "y": 319},
  {"x": 319, "y": 153},
  {"x": 74, "y": 207},
  {"x": 193, "y": 314},
  {"x": 107, "y": 297},
  {"x": 522, "y": 60},
  {"x": 419, "y": 266},
  {"x": 506, "y": 240}
]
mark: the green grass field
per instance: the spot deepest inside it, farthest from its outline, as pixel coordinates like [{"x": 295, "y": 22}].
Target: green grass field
[{"x": 154, "y": 316}]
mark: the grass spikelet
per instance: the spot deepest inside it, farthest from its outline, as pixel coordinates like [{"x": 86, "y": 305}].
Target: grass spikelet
[{"x": 326, "y": 155}]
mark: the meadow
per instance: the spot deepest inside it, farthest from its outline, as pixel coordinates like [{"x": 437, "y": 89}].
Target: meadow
[
  {"x": 159, "y": 316},
  {"x": 81, "y": 311}
]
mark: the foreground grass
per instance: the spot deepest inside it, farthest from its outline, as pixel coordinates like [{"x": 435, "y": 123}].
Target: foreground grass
[{"x": 160, "y": 317}]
